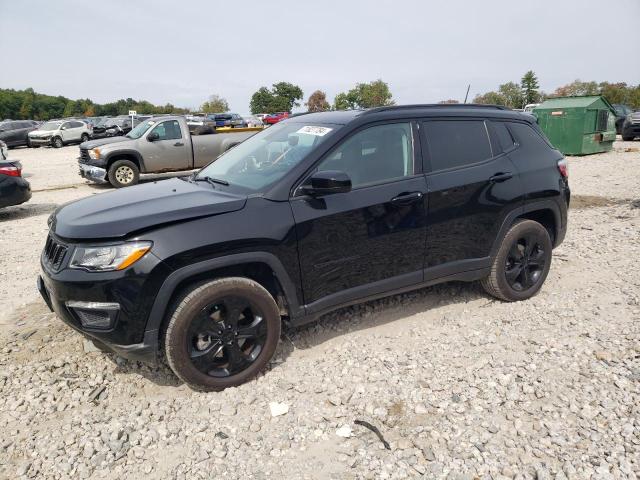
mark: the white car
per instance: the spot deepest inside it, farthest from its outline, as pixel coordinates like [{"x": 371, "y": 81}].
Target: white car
[
  {"x": 252, "y": 120},
  {"x": 58, "y": 133}
]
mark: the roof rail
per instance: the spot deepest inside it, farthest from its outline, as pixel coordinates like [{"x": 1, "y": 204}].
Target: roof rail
[{"x": 434, "y": 105}]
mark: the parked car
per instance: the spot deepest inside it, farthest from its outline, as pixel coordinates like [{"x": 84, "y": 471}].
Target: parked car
[
  {"x": 227, "y": 120},
  {"x": 252, "y": 121},
  {"x": 275, "y": 117},
  {"x": 113, "y": 127},
  {"x": 58, "y": 133},
  {"x": 631, "y": 127},
  {"x": 200, "y": 125},
  {"x": 315, "y": 213},
  {"x": 622, "y": 112},
  {"x": 14, "y": 189},
  {"x": 15, "y": 133},
  {"x": 160, "y": 144}
]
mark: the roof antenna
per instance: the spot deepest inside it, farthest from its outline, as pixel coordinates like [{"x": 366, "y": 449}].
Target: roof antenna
[{"x": 467, "y": 95}]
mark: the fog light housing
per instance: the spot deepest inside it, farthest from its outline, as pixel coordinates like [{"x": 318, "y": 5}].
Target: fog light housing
[{"x": 95, "y": 315}]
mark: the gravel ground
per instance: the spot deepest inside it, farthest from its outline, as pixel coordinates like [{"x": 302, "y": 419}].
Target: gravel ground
[{"x": 459, "y": 386}]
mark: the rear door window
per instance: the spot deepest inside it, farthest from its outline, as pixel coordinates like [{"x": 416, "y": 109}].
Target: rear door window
[{"x": 456, "y": 143}]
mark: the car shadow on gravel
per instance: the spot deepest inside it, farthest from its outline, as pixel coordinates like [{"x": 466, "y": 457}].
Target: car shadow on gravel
[
  {"x": 380, "y": 312},
  {"x": 358, "y": 317},
  {"x": 26, "y": 210}
]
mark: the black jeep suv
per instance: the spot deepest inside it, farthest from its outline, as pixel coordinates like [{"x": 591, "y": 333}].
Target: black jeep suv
[{"x": 320, "y": 211}]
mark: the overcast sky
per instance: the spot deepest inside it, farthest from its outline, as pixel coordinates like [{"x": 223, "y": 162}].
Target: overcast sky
[{"x": 183, "y": 51}]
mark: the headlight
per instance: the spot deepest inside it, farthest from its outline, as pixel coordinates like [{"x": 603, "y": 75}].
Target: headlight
[
  {"x": 94, "y": 153},
  {"x": 110, "y": 257}
]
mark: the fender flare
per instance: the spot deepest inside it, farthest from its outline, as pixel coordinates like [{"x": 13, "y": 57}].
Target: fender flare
[
  {"x": 529, "y": 207},
  {"x": 168, "y": 288},
  {"x": 132, "y": 153}
]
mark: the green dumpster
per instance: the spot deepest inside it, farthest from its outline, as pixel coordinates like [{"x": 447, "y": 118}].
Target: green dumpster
[{"x": 578, "y": 125}]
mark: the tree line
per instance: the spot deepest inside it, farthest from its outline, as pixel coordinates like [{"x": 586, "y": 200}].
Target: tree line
[
  {"x": 518, "y": 94},
  {"x": 23, "y": 104},
  {"x": 285, "y": 96}
]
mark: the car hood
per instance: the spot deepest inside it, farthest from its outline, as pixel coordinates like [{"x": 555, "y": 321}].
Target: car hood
[
  {"x": 103, "y": 141},
  {"x": 41, "y": 133},
  {"x": 121, "y": 212}
]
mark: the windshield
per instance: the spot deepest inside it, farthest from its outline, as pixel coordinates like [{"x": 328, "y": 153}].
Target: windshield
[
  {"x": 267, "y": 156},
  {"x": 50, "y": 126},
  {"x": 140, "y": 129}
]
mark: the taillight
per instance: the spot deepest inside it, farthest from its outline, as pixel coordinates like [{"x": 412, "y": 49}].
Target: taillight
[
  {"x": 563, "y": 167},
  {"x": 11, "y": 171}
]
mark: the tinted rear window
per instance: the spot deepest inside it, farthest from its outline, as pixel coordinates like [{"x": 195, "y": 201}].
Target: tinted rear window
[
  {"x": 527, "y": 137},
  {"x": 456, "y": 143},
  {"x": 503, "y": 137}
]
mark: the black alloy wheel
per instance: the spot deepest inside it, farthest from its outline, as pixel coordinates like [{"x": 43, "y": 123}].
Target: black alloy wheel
[
  {"x": 227, "y": 336},
  {"x": 525, "y": 262},
  {"x": 222, "y": 333},
  {"x": 522, "y": 262}
]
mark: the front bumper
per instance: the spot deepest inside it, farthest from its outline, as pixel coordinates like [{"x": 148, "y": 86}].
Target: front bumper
[
  {"x": 95, "y": 174},
  {"x": 631, "y": 130},
  {"x": 133, "y": 289},
  {"x": 40, "y": 141}
]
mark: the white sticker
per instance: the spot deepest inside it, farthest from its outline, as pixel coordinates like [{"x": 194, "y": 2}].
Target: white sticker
[{"x": 317, "y": 131}]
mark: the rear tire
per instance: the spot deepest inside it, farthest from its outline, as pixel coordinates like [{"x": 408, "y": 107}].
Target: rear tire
[
  {"x": 123, "y": 173},
  {"x": 522, "y": 263},
  {"x": 84, "y": 138},
  {"x": 222, "y": 333},
  {"x": 57, "y": 142}
]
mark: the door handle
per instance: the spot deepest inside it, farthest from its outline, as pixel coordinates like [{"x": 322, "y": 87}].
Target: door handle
[
  {"x": 500, "y": 177},
  {"x": 407, "y": 198},
  {"x": 178, "y": 144}
]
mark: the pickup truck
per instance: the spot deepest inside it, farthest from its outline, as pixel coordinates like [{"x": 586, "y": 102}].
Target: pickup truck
[{"x": 159, "y": 144}]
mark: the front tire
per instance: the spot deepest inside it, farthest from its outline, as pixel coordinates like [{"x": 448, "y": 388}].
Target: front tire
[
  {"x": 521, "y": 264},
  {"x": 222, "y": 333},
  {"x": 123, "y": 173},
  {"x": 57, "y": 142}
]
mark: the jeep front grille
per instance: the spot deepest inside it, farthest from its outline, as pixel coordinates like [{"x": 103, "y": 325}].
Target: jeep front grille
[{"x": 54, "y": 253}]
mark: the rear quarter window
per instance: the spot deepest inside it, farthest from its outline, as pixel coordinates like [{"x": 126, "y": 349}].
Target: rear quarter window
[
  {"x": 456, "y": 143},
  {"x": 502, "y": 139},
  {"x": 529, "y": 137}
]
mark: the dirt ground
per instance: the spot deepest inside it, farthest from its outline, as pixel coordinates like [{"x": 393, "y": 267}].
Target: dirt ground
[{"x": 461, "y": 385}]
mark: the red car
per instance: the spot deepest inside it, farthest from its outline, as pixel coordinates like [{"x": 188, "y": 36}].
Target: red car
[{"x": 275, "y": 117}]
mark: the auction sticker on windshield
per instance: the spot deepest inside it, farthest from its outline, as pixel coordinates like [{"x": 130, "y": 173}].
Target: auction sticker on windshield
[{"x": 318, "y": 131}]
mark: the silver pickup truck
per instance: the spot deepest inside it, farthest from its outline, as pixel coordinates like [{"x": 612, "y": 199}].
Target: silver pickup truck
[{"x": 160, "y": 144}]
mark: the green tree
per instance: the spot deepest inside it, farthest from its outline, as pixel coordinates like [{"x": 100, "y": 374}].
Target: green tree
[
  {"x": 530, "y": 87},
  {"x": 215, "y": 104},
  {"x": 317, "y": 102},
  {"x": 344, "y": 101},
  {"x": 512, "y": 94},
  {"x": 365, "y": 95},
  {"x": 576, "y": 88},
  {"x": 490, "y": 98},
  {"x": 281, "y": 98}
]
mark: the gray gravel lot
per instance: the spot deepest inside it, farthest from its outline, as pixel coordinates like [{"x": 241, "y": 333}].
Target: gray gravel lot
[{"x": 460, "y": 386}]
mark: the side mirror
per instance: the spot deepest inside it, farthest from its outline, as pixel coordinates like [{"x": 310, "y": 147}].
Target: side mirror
[
  {"x": 326, "y": 183},
  {"x": 153, "y": 136}
]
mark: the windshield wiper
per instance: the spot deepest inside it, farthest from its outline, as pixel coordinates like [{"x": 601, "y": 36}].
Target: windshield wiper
[{"x": 212, "y": 181}]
